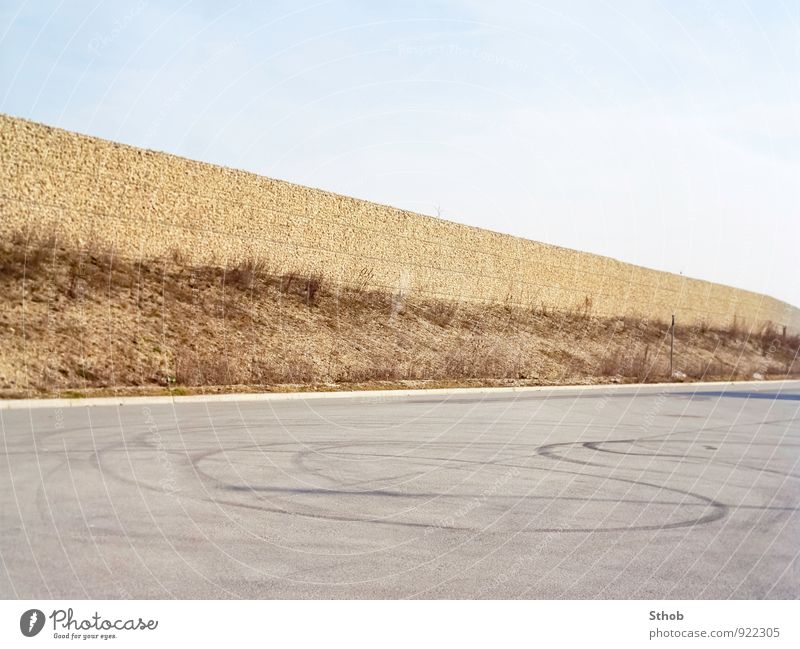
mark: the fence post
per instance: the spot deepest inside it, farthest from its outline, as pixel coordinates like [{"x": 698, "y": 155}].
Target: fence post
[{"x": 671, "y": 346}]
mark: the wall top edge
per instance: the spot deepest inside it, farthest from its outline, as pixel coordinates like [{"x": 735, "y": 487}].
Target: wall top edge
[{"x": 10, "y": 120}]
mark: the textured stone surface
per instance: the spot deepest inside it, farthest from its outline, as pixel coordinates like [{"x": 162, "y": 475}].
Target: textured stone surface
[{"x": 91, "y": 192}]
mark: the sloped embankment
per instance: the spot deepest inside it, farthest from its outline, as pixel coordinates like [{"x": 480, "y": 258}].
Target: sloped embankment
[{"x": 79, "y": 321}]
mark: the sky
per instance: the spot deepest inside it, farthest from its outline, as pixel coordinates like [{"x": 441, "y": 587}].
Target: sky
[{"x": 666, "y": 134}]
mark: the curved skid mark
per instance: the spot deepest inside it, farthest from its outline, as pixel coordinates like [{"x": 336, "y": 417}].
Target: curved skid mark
[{"x": 719, "y": 509}]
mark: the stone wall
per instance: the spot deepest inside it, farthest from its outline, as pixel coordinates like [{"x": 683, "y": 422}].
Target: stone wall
[{"x": 144, "y": 204}]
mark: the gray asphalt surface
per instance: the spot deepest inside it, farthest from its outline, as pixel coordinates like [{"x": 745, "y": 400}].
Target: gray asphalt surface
[{"x": 691, "y": 492}]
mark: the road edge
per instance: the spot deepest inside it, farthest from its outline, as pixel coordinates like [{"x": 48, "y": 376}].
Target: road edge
[{"x": 18, "y": 404}]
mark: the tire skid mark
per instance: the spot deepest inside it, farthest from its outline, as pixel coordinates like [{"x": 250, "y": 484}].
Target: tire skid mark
[{"x": 719, "y": 509}]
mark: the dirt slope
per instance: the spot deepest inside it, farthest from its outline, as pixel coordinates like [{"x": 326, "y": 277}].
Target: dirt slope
[{"x": 77, "y": 321}]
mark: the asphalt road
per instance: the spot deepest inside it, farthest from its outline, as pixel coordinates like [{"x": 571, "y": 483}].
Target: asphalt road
[{"x": 690, "y": 492}]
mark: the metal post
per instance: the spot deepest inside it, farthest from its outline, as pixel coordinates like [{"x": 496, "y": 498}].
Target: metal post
[{"x": 671, "y": 345}]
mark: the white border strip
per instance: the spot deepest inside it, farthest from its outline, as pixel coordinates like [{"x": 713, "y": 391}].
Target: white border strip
[
  {"x": 465, "y": 624},
  {"x": 16, "y": 404}
]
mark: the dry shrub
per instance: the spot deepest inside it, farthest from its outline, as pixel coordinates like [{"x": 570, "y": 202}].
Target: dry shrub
[
  {"x": 375, "y": 299},
  {"x": 609, "y": 365},
  {"x": 581, "y": 311},
  {"x": 363, "y": 279},
  {"x": 286, "y": 281},
  {"x": 307, "y": 287},
  {"x": 368, "y": 373},
  {"x": 194, "y": 369},
  {"x": 640, "y": 365},
  {"x": 736, "y": 330},
  {"x": 479, "y": 358},
  {"x": 288, "y": 368},
  {"x": 313, "y": 286},
  {"x": 644, "y": 366},
  {"x": 707, "y": 368},
  {"x": 86, "y": 372},
  {"x": 442, "y": 313},
  {"x": 791, "y": 343},
  {"x": 91, "y": 265},
  {"x": 177, "y": 256},
  {"x": 24, "y": 255},
  {"x": 245, "y": 274},
  {"x": 768, "y": 339}
]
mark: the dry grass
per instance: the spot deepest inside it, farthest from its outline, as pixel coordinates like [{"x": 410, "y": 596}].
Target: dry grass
[{"x": 78, "y": 320}]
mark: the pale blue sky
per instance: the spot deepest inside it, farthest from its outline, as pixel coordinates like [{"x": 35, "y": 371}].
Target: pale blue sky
[{"x": 662, "y": 133}]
